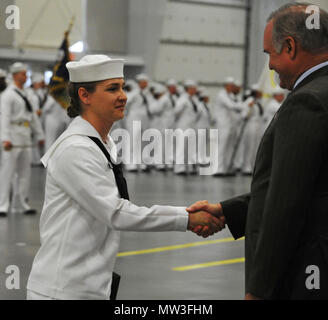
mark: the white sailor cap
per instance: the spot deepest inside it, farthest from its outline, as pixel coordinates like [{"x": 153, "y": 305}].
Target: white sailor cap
[
  {"x": 277, "y": 90},
  {"x": 3, "y": 73},
  {"x": 37, "y": 77},
  {"x": 204, "y": 93},
  {"x": 95, "y": 67},
  {"x": 255, "y": 87},
  {"x": 190, "y": 83},
  {"x": 142, "y": 77},
  {"x": 171, "y": 82},
  {"x": 159, "y": 88},
  {"x": 18, "y": 67},
  {"x": 229, "y": 80},
  {"x": 237, "y": 83},
  {"x": 131, "y": 82}
]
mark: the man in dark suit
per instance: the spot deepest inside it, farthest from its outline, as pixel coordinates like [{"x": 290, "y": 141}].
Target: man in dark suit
[{"x": 285, "y": 216}]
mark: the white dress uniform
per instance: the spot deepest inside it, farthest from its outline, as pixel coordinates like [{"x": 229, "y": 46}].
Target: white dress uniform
[
  {"x": 55, "y": 120},
  {"x": 204, "y": 123},
  {"x": 3, "y": 74},
  {"x": 17, "y": 124},
  {"x": 250, "y": 139},
  {"x": 186, "y": 114},
  {"x": 227, "y": 117},
  {"x": 36, "y": 97},
  {"x": 163, "y": 118},
  {"x": 138, "y": 114},
  {"x": 82, "y": 217},
  {"x": 270, "y": 111}
]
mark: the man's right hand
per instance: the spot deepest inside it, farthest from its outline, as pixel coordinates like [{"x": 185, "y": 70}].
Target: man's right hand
[
  {"x": 202, "y": 219},
  {"x": 7, "y": 146},
  {"x": 214, "y": 209}
]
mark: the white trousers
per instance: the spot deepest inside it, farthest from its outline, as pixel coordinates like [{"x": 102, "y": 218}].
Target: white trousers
[
  {"x": 224, "y": 148},
  {"x": 16, "y": 161},
  {"x": 250, "y": 144},
  {"x": 186, "y": 151}
]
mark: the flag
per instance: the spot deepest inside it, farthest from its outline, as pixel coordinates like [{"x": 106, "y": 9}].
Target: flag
[{"x": 59, "y": 80}]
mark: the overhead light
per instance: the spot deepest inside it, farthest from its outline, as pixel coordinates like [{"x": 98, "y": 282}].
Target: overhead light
[{"x": 77, "y": 47}]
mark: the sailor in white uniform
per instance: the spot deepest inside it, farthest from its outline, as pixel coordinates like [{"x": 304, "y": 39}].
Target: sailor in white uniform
[
  {"x": 173, "y": 95},
  {"x": 55, "y": 120},
  {"x": 3, "y": 86},
  {"x": 253, "y": 111},
  {"x": 18, "y": 121},
  {"x": 278, "y": 96},
  {"x": 86, "y": 199},
  {"x": 162, "y": 111},
  {"x": 186, "y": 115},
  {"x": 139, "y": 116},
  {"x": 226, "y": 113},
  {"x": 38, "y": 97}
]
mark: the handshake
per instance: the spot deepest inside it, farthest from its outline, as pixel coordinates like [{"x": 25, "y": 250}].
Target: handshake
[{"x": 205, "y": 218}]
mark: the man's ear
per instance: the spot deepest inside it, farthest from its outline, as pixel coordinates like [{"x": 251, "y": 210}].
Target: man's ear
[{"x": 290, "y": 47}]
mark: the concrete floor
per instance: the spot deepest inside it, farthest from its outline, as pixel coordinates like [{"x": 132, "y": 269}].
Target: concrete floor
[{"x": 145, "y": 276}]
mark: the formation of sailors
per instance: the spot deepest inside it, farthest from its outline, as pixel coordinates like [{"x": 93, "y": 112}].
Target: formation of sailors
[{"x": 239, "y": 117}]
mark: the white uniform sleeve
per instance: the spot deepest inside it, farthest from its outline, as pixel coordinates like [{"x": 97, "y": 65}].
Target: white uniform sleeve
[
  {"x": 6, "y": 108},
  {"x": 79, "y": 171},
  {"x": 156, "y": 107},
  {"x": 228, "y": 103},
  {"x": 179, "y": 108}
]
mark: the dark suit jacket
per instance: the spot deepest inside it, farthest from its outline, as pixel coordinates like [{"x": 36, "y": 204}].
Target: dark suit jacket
[{"x": 285, "y": 216}]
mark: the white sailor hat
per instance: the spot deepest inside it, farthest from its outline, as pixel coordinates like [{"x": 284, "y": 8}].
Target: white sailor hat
[
  {"x": 142, "y": 77},
  {"x": 190, "y": 83},
  {"x": 37, "y": 77},
  {"x": 237, "y": 83},
  {"x": 171, "y": 82},
  {"x": 95, "y": 67},
  {"x": 3, "y": 73},
  {"x": 204, "y": 93},
  {"x": 159, "y": 88},
  {"x": 18, "y": 67},
  {"x": 131, "y": 82},
  {"x": 255, "y": 87},
  {"x": 229, "y": 80}
]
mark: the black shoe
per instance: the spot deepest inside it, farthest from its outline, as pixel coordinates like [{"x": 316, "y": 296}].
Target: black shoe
[
  {"x": 181, "y": 173},
  {"x": 231, "y": 174},
  {"x": 3, "y": 214},
  {"x": 30, "y": 212},
  {"x": 219, "y": 175}
]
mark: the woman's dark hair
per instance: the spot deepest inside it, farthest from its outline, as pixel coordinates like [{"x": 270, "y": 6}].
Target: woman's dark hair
[{"x": 75, "y": 108}]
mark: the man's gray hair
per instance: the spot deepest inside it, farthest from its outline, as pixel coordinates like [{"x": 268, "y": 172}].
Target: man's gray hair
[{"x": 290, "y": 20}]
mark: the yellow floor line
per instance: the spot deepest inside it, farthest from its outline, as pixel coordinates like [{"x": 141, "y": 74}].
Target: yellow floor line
[
  {"x": 209, "y": 264},
  {"x": 176, "y": 247}
]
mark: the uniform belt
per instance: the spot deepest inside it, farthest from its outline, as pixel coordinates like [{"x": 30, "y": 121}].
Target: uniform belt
[{"x": 21, "y": 123}]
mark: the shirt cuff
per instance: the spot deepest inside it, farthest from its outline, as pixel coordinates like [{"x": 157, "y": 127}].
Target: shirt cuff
[{"x": 182, "y": 219}]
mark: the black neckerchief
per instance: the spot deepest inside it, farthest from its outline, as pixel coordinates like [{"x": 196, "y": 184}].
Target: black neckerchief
[{"x": 117, "y": 169}]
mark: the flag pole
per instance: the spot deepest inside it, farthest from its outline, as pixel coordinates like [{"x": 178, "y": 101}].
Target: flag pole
[{"x": 70, "y": 26}]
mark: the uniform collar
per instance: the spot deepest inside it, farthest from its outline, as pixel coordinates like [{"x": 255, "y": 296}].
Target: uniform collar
[{"x": 78, "y": 126}]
